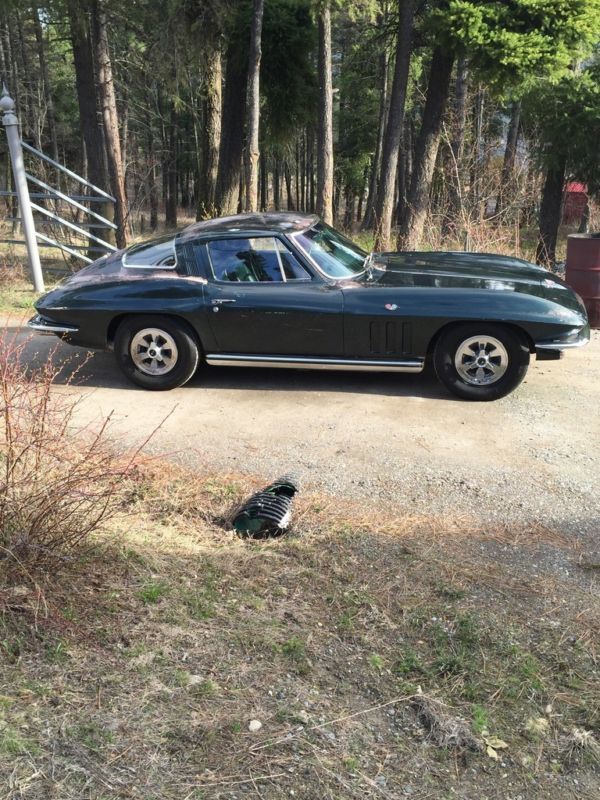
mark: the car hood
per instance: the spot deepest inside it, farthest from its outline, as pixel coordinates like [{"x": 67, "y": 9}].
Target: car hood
[
  {"x": 454, "y": 269},
  {"x": 470, "y": 271}
]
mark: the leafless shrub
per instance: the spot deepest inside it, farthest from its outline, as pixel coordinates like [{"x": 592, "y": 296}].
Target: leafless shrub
[
  {"x": 580, "y": 745},
  {"x": 443, "y": 728},
  {"x": 57, "y": 484}
]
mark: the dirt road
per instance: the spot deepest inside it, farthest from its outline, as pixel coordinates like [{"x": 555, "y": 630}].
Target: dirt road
[{"x": 533, "y": 456}]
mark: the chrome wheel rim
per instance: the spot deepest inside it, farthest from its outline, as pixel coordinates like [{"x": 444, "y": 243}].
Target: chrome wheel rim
[
  {"x": 153, "y": 351},
  {"x": 481, "y": 360}
]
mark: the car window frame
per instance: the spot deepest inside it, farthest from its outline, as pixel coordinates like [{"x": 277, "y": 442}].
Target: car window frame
[
  {"x": 210, "y": 272},
  {"x": 171, "y": 267},
  {"x": 314, "y": 263}
]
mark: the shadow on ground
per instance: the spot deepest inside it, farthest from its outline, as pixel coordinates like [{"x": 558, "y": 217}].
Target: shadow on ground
[{"x": 100, "y": 371}]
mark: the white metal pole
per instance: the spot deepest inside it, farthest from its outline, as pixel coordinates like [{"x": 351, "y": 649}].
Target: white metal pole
[{"x": 11, "y": 124}]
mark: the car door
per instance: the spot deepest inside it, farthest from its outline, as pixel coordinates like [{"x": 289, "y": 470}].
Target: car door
[{"x": 262, "y": 299}]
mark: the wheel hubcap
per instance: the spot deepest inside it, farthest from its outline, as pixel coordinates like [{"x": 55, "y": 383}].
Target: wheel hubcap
[
  {"x": 153, "y": 351},
  {"x": 481, "y": 360}
]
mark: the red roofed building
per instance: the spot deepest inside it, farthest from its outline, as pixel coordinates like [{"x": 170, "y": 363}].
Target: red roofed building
[{"x": 575, "y": 202}]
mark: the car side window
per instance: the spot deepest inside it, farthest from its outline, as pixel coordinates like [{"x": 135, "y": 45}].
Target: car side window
[
  {"x": 262, "y": 259},
  {"x": 292, "y": 268}
]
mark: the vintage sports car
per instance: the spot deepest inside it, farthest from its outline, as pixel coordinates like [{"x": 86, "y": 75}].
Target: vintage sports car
[{"x": 286, "y": 290}]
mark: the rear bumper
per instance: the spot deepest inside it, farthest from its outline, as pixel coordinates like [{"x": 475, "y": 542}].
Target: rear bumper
[{"x": 44, "y": 325}]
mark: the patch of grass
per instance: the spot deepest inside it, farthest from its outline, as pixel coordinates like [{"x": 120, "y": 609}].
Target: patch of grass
[
  {"x": 69, "y": 613},
  {"x": 200, "y": 604},
  {"x": 152, "y": 592},
  {"x": 17, "y": 297},
  {"x": 409, "y": 663},
  {"x": 351, "y": 763},
  {"x": 13, "y": 743},
  {"x": 92, "y": 735},
  {"x": 56, "y": 652},
  {"x": 206, "y": 688},
  {"x": 294, "y": 649},
  {"x": 480, "y": 719},
  {"x": 448, "y": 592},
  {"x": 345, "y": 621},
  {"x": 11, "y": 648},
  {"x": 529, "y": 671},
  {"x": 376, "y": 661},
  {"x": 200, "y": 600}
]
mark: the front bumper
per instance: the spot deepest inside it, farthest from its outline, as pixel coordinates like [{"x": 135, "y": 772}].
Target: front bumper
[
  {"x": 44, "y": 325},
  {"x": 549, "y": 349}
]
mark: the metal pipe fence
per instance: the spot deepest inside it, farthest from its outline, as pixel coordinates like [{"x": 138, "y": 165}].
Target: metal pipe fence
[{"x": 51, "y": 228}]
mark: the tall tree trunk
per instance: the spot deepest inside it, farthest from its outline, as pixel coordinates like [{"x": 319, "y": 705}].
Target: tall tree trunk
[
  {"x": 39, "y": 38},
  {"x": 171, "y": 166},
  {"x": 297, "y": 176},
  {"x": 211, "y": 133},
  {"x": 89, "y": 120},
  {"x": 288, "y": 186},
  {"x": 381, "y": 122},
  {"x": 478, "y": 155},
  {"x": 550, "y": 212},
  {"x": 30, "y": 111},
  {"x": 405, "y": 162},
  {"x": 311, "y": 173},
  {"x": 152, "y": 187},
  {"x": 276, "y": 183},
  {"x": 584, "y": 223},
  {"x": 264, "y": 182},
  {"x": 325, "y": 129},
  {"x": 110, "y": 118},
  {"x": 384, "y": 207},
  {"x": 253, "y": 107},
  {"x": 302, "y": 172},
  {"x": 232, "y": 133},
  {"x": 457, "y": 146},
  {"x": 510, "y": 156},
  {"x": 413, "y": 219},
  {"x": 10, "y": 71}
]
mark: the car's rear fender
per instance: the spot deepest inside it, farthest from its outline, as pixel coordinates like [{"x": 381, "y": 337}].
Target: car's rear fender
[{"x": 114, "y": 324}]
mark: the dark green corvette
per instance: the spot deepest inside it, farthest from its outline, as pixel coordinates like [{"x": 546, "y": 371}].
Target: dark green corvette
[{"x": 285, "y": 290}]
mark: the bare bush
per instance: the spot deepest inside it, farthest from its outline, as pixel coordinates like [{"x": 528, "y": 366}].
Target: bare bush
[{"x": 57, "y": 483}]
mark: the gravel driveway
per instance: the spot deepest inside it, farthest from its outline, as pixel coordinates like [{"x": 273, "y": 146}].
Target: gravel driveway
[{"x": 533, "y": 457}]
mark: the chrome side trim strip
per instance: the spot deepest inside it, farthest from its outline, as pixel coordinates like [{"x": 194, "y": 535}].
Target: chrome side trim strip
[
  {"x": 304, "y": 362},
  {"x": 43, "y": 328}
]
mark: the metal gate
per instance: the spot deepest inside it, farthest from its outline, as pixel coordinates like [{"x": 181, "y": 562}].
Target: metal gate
[{"x": 50, "y": 227}]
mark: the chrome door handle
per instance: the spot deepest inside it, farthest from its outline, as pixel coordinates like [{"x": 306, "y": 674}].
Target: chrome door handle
[{"x": 221, "y": 300}]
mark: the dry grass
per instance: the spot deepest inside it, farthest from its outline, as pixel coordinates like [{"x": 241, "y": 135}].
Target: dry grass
[{"x": 378, "y": 652}]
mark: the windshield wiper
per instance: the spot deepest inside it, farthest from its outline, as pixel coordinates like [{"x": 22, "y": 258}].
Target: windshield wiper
[{"x": 368, "y": 266}]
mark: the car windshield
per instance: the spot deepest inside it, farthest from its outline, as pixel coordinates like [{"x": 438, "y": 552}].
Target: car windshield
[{"x": 333, "y": 253}]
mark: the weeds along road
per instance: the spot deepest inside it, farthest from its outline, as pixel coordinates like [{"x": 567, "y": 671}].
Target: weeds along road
[{"x": 533, "y": 457}]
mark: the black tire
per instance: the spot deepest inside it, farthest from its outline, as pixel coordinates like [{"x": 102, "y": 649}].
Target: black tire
[
  {"x": 184, "y": 355},
  {"x": 454, "y": 347}
]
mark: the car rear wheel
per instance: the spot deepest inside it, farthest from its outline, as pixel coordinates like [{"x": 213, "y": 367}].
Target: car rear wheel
[
  {"x": 156, "y": 352},
  {"x": 481, "y": 361}
]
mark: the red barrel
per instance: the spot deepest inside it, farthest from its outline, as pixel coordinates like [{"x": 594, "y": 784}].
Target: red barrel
[{"x": 583, "y": 271}]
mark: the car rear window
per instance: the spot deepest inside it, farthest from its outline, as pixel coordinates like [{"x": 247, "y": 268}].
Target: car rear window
[{"x": 155, "y": 253}]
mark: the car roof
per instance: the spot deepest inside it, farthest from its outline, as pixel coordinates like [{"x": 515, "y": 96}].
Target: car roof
[{"x": 282, "y": 222}]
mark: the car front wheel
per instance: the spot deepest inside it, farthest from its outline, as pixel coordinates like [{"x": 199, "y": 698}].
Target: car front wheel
[
  {"x": 156, "y": 352},
  {"x": 481, "y": 361}
]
